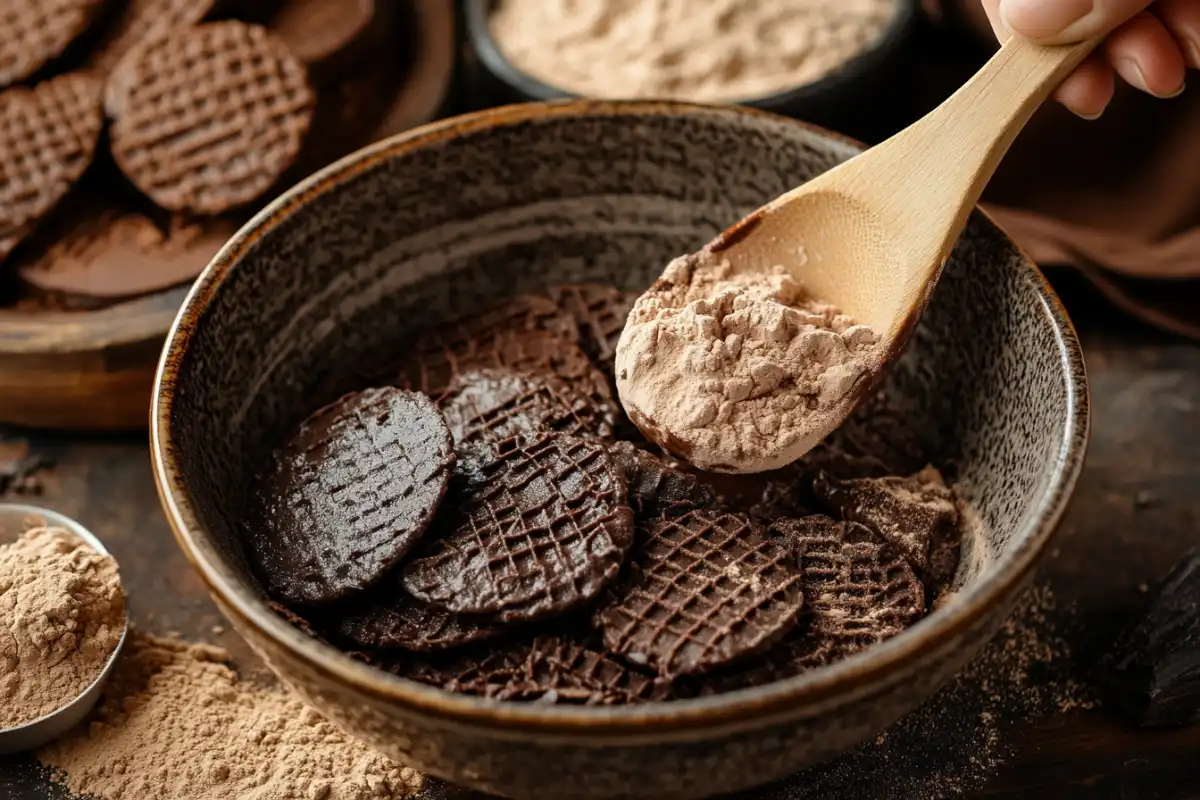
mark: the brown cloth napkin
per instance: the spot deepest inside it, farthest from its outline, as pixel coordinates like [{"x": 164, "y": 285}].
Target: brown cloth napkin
[{"x": 1117, "y": 199}]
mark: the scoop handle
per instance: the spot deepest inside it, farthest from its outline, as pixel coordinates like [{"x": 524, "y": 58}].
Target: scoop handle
[{"x": 939, "y": 166}]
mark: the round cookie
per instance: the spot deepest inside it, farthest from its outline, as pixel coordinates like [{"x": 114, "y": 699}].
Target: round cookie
[
  {"x": 490, "y": 405},
  {"x": 111, "y": 253},
  {"x": 331, "y": 37},
  {"x": 48, "y": 136},
  {"x": 537, "y": 530},
  {"x": 702, "y": 590},
  {"x": 348, "y": 496},
  {"x": 600, "y": 312},
  {"x": 402, "y": 623},
  {"x": 35, "y": 32},
  {"x": 207, "y": 118},
  {"x": 139, "y": 21}
]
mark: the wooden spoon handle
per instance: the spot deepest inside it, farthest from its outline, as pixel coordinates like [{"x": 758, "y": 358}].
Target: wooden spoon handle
[{"x": 938, "y": 166}]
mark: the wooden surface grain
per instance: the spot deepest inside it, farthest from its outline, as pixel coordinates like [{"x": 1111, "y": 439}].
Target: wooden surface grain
[{"x": 1135, "y": 512}]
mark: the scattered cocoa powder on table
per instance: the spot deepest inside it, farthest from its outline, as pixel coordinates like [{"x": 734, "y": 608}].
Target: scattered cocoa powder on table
[
  {"x": 176, "y": 722},
  {"x": 62, "y": 613}
]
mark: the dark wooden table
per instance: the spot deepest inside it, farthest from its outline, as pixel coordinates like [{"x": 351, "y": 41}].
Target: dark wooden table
[{"x": 1136, "y": 511}]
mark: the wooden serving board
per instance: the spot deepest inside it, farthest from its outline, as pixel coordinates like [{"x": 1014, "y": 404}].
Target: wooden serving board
[{"x": 94, "y": 369}]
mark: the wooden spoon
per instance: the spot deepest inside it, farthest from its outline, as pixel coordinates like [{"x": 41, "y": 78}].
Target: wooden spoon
[{"x": 871, "y": 236}]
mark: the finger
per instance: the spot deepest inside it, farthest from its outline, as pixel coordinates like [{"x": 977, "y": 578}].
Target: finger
[
  {"x": 1090, "y": 88},
  {"x": 1063, "y": 21},
  {"x": 1182, "y": 19},
  {"x": 1145, "y": 55},
  {"x": 992, "y": 9}
]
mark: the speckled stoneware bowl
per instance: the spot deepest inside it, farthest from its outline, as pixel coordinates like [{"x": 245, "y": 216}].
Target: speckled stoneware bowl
[{"x": 459, "y": 214}]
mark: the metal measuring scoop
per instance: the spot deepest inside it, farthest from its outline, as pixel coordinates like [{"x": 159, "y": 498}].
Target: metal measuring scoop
[{"x": 15, "y": 519}]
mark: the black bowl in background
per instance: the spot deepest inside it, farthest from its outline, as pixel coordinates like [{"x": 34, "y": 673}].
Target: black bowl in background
[{"x": 853, "y": 99}]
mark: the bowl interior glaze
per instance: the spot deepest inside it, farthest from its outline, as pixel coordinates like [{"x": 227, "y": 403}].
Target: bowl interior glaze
[{"x": 460, "y": 214}]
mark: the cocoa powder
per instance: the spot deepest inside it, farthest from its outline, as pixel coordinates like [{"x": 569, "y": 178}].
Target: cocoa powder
[
  {"x": 62, "y": 613},
  {"x": 176, "y": 721}
]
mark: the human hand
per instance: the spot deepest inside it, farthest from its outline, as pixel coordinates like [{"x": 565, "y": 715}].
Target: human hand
[{"x": 1150, "y": 45}]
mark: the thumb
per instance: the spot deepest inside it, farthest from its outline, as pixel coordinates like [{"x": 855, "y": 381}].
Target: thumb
[{"x": 1063, "y": 21}]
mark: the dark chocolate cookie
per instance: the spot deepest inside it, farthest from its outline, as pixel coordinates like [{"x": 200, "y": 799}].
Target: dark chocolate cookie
[
  {"x": 703, "y": 590},
  {"x": 655, "y": 489},
  {"x": 600, "y": 311},
  {"x": 524, "y": 334},
  {"x": 877, "y": 430},
  {"x": 491, "y": 405},
  {"x": 917, "y": 515},
  {"x": 539, "y": 529},
  {"x": 571, "y": 668},
  {"x": 404, "y": 623},
  {"x": 303, "y": 624},
  {"x": 349, "y": 495},
  {"x": 858, "y": 590}
]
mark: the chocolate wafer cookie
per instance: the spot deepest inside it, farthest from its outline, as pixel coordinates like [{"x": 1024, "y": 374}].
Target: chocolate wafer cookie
[
  {"x": 48, "y": 135},
  {"x": 858, "y": 591},
  {"x": 572, "y": 668},
  {"x": 702, "y": 590},
  {"x": 138, "y": 21},
  {"x": 524, "y": 334},
  {"x": 491, "y": 405},
  {"x": 207, "y": 118},
  {"x": 396, "y": 620},
  {"x": 540, "y": 529},
  {"x": 917, "y": 515},
  {"x": 655, "y": 489},
  {"x": 600, "y": 312},
  {"x": 35, "y": 32},
  {"x": 858, "y": 588},
  {"x": 349, "y": 495}
]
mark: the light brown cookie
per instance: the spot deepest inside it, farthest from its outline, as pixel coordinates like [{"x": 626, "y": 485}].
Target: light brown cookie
[
  {"x": 48, "y": 136},
  {"x": 206, "y": 118},
  {"x": 35, "y": 32},
  {"x": 139, "y": 21}
]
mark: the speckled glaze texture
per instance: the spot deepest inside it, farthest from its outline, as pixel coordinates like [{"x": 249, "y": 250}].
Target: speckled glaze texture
[{"x": 456, "y": 216}]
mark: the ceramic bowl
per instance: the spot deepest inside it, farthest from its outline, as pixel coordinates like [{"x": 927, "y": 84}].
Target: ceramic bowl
[
  {"x": 459, "y": 214},
  {"x": 835, "y": 100}
]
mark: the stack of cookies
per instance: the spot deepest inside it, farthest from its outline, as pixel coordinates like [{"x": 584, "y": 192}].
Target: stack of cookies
[
  {"x": 482, "y": 517},
  {"x": 137, "y": 135}
]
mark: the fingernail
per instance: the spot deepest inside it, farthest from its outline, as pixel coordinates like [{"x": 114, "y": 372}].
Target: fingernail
[
  {"x": 1088, "y": 117},
  {"x": 1129, "y": 70},
  {"x": 1175, "y": 93},
  {"x": 1038, "y": 19}
]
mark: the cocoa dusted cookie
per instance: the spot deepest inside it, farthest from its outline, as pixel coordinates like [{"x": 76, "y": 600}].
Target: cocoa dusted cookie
[
  {"x": 348, "y": 496},
  {"x": 917, "y": 515},
  {"x": 600, "y": 311},
  {"x": 858, "y": 588},
  {"x": 35, "y": 32},
  {"x": 48, "y": 135},
  {"x": 138, "y": 21},
  {"x": 539, "y": 529},
  {"x": 94, "y": 249},
  {"x": 858, "y": 591},
  {"x": 524, "y": 334},
  {"x": 655, "y": 489},
  {"x": 397, "y": 621},
  {"x": 491, "y": 405},
  {"x": 207, "y": 118},
  {"x": 703, "y": 590}
]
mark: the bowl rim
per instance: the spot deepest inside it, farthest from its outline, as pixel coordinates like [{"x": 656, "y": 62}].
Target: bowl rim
[
  {"x": 890, "y": 42},
  {"x": 861, "y": 674}
]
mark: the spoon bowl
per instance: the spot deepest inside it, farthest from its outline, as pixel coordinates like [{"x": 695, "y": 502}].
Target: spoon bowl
[{"x": 871, "y": 236}]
